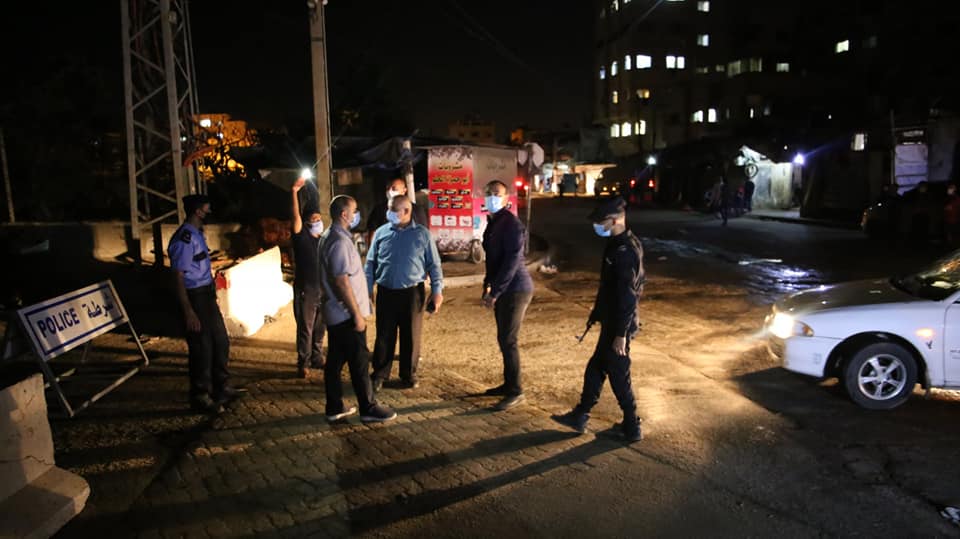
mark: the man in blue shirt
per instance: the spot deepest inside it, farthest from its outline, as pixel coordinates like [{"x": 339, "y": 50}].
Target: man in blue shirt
[
  {"x": 401, "y": 255},
  {"x": 346, "y": 305},
  {"x": 209, "y": 347},
  {"x": 507, "y": 287}
]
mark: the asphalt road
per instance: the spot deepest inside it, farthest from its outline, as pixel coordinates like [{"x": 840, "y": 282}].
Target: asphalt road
[{"x": 824, "y": 460}]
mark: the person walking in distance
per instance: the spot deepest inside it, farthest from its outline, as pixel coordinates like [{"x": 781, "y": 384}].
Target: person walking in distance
[
  {"x": 507, "y": 288},
  {"x": 621, "y": 285},
  {"x": 346, "y": 306},
  {"x": 306, "y": 285},
  {"x": 207, "y": 341},
  {"x": 401, "y": 254}
]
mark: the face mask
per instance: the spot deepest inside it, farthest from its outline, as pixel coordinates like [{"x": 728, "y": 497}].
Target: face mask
[
  {"x": 316, "y": 228},
  {"x": 355, "y": 221},
  {"x": 602, "y": 232},
  {"x": 393, "y": 217},
  {"x": 494, "y": 203}
]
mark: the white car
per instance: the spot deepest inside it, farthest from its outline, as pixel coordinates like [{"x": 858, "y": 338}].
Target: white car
[{"x": 879, "y": 337}]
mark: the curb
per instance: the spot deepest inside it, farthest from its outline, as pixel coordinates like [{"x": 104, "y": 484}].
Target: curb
[{"x": 805, "y": 221}]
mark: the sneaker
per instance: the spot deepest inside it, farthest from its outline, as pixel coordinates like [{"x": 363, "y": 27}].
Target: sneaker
[
  {"x": 378, "y": 413},
  {"x": 632, "y": 432},
  {"x": 229, "y": 394},
  {"x": 345, "y": 413},
  {"x": 409, "y": 384},
  {"x": 572, "y": 419},
  {"x": 204, "y": 404},
  {"x": 509, "y": 402},
  {"x": 496, "y": 391}
]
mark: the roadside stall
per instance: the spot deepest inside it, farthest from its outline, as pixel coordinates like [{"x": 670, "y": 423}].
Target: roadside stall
[{"x": 456, "y": 176}]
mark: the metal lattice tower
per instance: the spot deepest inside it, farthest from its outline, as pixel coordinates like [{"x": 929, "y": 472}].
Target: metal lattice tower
[{"x": 161, "y": 103}]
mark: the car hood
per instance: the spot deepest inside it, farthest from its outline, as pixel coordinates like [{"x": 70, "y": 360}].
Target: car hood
[{"x": 852, "y": 294}]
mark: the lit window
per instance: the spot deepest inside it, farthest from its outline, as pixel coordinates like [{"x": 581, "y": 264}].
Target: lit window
[
  {"x": 766, "y": 110},
  {"x": 614, "y": 130},
  {"x": 756, "y": 65},
  {"x": 870, "y": 42},
  {"x": 704, "y": 6},
  {"x": 720, "y": 68},
  {"x": 702, "y": 70},
  {"x": 697, "y": 117},
  {"x": 842, "y": 46},
  {"x": 613, "y": 68},
  {"x": 753, "y": 113},
  {"x": 615, "y": 5},
  {"x": 726, "y": 113},
  {"x": 626, "y": 129},
  {"x": 614, "y": 97},
  {"x": 703, "y": 40},
  {"x": 712, "y": 116},
  {"x": 625, "y": 2},
  {"x": 643, "y": 93},
  {"x": 205, "y": 122},
  {"x": 626, "y": 63},
  {"x": 644, "y": 61},
  {"x": 676, "y": 62},
  {"x": 734, "y": 68},
  {"x": 603, "y": 72},
  {"x": 641, "y": 127},
  {"x": 783, "y": 67},
  {"x": 859, "y": 142}
]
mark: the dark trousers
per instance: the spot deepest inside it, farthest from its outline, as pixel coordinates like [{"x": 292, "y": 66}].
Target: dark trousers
[
  {"x": 345, "y": 345},
  {"x": 606, "y": 363},
  {"x": 310, "y": 329},
  {"x": 509, "y": 311},
  {"x": 209, "y": 349},
  {"x": 398, "y": 310}
]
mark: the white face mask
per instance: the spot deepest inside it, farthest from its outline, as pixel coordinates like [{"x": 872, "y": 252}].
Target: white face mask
[
  {"x": 494, "y": 203},
  {"x": 602, "y": 232},
  {"x": 393, "y": 217},
  {"x": 316, "y": 228},
  {"x": 355, "y": 221}
]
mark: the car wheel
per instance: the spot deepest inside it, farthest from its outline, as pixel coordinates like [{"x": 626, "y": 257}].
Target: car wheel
[
  {"x": 881, "y": 376},
  {"x": 476, "y": 251}
]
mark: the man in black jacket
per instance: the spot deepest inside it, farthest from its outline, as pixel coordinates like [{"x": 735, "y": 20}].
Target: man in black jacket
[
  {"x": 507, "y": 288},
  {"x": 621, "y": 285}
]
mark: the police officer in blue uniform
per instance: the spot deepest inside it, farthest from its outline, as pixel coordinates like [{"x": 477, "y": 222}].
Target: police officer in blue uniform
[
  {"x": 209, "y": 347},
  {"x": 621, "y": 285}
]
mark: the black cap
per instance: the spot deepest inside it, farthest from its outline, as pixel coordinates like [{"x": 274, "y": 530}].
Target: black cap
[
  {"x": 192, "y": 202},
  {"x": 606, "y": 208}
]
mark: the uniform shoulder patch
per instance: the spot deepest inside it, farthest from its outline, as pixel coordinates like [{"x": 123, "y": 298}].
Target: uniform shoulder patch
[{"x": 185, "y": 236}]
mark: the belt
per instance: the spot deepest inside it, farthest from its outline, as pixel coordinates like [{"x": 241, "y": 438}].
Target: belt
[{"x": 205, "y": 289}]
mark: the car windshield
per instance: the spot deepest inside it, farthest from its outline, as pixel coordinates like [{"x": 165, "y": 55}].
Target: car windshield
[{"x": 936, "y": 282}]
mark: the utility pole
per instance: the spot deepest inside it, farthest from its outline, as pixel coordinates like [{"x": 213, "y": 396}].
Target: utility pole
[
  {"x": 321, "y": 102},
  {"x": 6, "y": 178}
]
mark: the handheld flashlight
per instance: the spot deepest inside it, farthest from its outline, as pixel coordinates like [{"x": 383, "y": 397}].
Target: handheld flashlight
[{"x": 306, "y": 174}]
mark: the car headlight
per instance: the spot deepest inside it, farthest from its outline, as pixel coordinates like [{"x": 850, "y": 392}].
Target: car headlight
[{"x": 784, "y": 326}]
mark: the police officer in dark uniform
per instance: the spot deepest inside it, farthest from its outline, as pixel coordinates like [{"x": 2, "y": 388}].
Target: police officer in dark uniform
[
  {"x": 209, "y": 347},
  {"x": 621, "y": 285}
]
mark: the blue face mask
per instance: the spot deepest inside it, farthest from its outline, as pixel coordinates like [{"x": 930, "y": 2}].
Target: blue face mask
[
  {"x": 494, "y": 203},
  {"x": 598, "y": 228},
  {"x": 393, "y": 217},
  {"x": 355, "y": 221},
  {"x": 316, "y": 228}
]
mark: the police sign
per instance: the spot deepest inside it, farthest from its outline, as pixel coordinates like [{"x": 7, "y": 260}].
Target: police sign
[{"x": 65, "y": 322}]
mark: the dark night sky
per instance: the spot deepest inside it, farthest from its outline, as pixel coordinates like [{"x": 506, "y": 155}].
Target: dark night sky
[{"x": 514, "y": 62}]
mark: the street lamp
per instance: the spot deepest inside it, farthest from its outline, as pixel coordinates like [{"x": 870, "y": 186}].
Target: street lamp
[
  {"x": 799, "y": 160},
  {"x": 652, "y": 160}
]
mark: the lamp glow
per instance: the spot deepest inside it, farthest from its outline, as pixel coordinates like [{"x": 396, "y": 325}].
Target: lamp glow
[
  {"x": 306, "y": 174},
  {"x": 652, "y": 160},
  {"x": 799, "y": 159}
]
